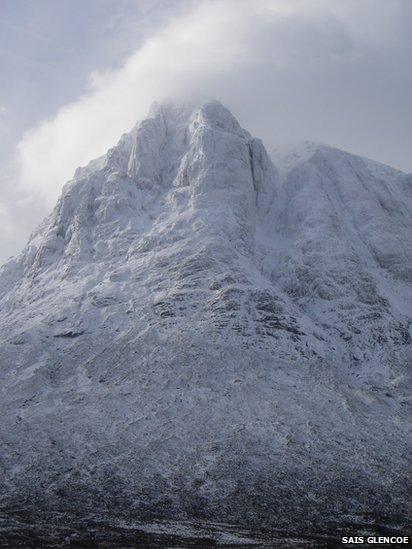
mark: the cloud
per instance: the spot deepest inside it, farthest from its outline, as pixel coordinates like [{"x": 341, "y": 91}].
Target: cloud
[
  {"x": 183, "y": 54},
  {"x": 326, "y": 70}
]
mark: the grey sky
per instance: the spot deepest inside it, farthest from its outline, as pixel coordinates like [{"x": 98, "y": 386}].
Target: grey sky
[
  {"x": 77, "y": 73},
  {"x": 48, "y": 48}
]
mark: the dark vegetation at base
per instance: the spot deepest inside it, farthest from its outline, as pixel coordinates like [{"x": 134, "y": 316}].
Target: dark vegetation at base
[{"x": 24, "y": 529}]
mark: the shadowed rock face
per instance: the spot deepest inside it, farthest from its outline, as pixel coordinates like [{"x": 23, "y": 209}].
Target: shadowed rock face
[{"x": 190, "y": 335}]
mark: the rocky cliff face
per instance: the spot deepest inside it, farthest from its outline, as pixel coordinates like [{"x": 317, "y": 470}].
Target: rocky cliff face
[{"x": 193, "y": 334}]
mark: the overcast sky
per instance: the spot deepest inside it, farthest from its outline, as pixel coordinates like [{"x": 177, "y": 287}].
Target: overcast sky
[{"x": 76, "y": 74}]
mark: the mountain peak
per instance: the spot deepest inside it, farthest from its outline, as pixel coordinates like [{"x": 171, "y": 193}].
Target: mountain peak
[
  {"x": 287, "y": 157},
  {"x": 187, "y": 316},
  {"x": 165, "y": 121},
  {"x": 199, "y": 153}
]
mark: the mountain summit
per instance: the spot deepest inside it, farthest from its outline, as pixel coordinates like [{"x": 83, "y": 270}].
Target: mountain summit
[{"x": 192, "y": 334}]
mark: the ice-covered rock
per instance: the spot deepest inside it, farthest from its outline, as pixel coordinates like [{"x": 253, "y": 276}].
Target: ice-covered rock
[{"x": 190, "y": 334}]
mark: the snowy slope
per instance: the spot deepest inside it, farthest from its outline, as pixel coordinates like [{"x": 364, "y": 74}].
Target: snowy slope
[{"x": 193, "y": 334}]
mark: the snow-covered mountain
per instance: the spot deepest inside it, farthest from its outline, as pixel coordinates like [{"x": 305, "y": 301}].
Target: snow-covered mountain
[{"x": 194, "y": 334}]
